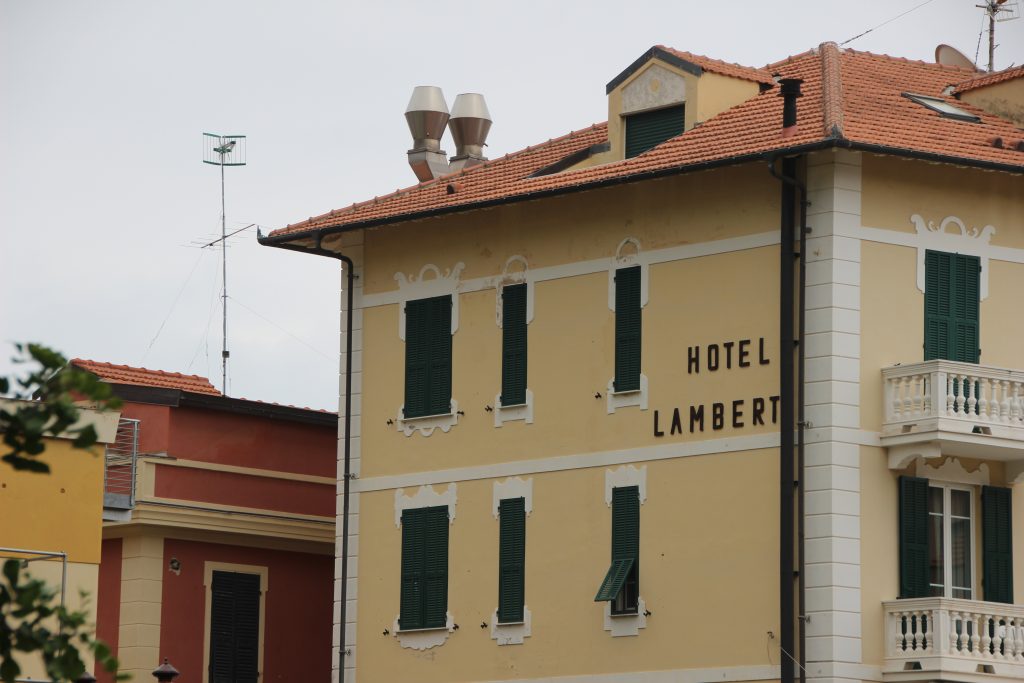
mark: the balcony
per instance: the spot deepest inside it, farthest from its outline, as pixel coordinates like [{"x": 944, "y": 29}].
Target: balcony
[
  {"x": 953, "y": 640},
  {"x": 942, "y": 407},
  {"x": 119, "y": 469}
]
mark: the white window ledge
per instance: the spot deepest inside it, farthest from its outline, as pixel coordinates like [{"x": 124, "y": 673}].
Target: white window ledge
[
  {"x": 428, "y": 423},
  {"x": 511, "y": 633},
  {"x": 424, "y": 638},
  {"x": 520, "y": 411},
  {"x": 625, "y": 624},
  {"x": 624, "y": 399}
]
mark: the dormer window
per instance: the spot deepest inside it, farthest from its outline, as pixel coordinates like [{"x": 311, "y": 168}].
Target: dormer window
[
  {"x": 649, "y": 129},
  {"x": 943, "y": 107}
]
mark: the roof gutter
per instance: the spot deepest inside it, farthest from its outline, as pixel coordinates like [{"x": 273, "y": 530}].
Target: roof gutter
[{"x": 287, "y": 241}]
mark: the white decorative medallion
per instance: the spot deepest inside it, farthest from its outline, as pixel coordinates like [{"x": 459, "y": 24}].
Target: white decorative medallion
[{"x": 972, "y": 242}]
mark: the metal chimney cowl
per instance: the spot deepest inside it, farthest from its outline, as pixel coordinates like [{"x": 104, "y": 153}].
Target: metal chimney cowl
[
  {"x": 470, "y": 122},
  {"x": 427, "y": 116}
]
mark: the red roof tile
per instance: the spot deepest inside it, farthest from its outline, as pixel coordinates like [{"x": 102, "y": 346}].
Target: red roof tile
[
  {"x": 125, "y": 374},
  {"x": 852, "y": 98},
  {"x": 989, "y": 79},
  {"x": 747, "y": 73}
]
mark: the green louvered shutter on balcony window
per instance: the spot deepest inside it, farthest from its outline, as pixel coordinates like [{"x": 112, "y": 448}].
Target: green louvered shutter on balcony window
[
  {"x": 913, "y": 537},
  {"x": 651, "y": 128},
  {"x": 627, "y": 329},
  {"x": 428, "y": 356},
  {"x": 952, "y": 297},
  {"x": 622, "y": 580},
  {"x": 511, "y": 559},
  {"x": 997, "y": 543},
  {"x": 513, "y": 345},
  {"x": 424, "y": 591}
]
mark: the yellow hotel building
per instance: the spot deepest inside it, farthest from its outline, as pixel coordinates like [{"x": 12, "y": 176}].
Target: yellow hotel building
[{"x": 724, "y": 389}]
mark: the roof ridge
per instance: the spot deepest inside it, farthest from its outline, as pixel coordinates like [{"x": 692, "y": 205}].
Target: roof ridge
[
  {"x": 448, "y": 176},
  {"x": 832, "y": 111},
  {"x": 988, "y": 78},
  {"x": 905, "y": 60}
]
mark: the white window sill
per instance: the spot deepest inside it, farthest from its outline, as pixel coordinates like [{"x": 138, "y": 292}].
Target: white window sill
[
  {"x": 511, "y": 633},
  {"x": 625, "y": 624},
  {"x": 519, "y": 411},
  {"x": 625, "y": 399},
  {"x": 424, "y": 638},
  {"x": 428, "y": 423}
]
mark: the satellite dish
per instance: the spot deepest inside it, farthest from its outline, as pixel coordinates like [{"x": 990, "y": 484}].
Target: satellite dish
[{"x": 950, "y": 56}]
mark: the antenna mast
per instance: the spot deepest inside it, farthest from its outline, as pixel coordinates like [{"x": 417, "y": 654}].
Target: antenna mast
[
  {"x": 224, "y": 150},
  {"x": 997, "y": 10}
]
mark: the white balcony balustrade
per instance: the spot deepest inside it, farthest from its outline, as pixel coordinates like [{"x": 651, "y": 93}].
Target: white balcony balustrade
[
  {"x": 942, "y": 407},
  {"x": 951, "y": 639}
]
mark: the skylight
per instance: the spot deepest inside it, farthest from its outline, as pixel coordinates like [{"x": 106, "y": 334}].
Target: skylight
[{"x": 943, "y": 107}]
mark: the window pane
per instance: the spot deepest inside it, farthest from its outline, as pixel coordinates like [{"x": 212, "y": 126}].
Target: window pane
[
  {"x": 936, "y": 576},
  {"x": 960, "y": 502},
  {"x": 960, "y": 541},
  {"x": 935, "y": 500}
]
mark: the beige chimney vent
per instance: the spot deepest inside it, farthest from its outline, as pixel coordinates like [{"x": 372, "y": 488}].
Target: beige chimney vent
[
  {"x": 470, "y": 122},
  {"x": 427, "y": 116}
]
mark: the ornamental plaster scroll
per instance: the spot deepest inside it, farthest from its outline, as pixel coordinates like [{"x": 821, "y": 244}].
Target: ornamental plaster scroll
[
  {"x": 425, "y": 497},
  {"x": 414, "y": 287},
  {"x": 900, "y": 457},
  {"x": 424, "y": 638},
  {"x": 512, "y": 634},
  {"x": 953, "y": 471},
  {"x": 627, "y": 475},
  {"x": 513, "y": 487},
  {"x": 625, "y": 624},
  {"x": 971, "y": 241},
  {"x": 427, "y": 424},
  {"x": 1014, "y": 472}
]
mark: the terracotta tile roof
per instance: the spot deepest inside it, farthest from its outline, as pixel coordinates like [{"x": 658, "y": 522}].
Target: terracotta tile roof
[
  {"x": 850, "y": 98},
  {"x": 747, "y": 73},
  {"x": 989, "y": 79},
  {"x": 125, "y": 374}
]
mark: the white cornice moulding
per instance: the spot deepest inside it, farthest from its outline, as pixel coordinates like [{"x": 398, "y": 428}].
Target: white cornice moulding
[{"x": 973, "y": 242}]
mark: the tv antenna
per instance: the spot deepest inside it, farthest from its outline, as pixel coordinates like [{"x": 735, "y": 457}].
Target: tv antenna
[
  {"x": 223, "y": 150},
  {"x": 997, "y": 10}
]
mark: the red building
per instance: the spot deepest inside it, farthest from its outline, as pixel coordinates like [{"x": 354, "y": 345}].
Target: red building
[{"x": 218, "y": 538}]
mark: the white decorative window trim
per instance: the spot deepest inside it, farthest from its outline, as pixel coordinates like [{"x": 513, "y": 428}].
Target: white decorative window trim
[
  {"x": 628, "y": 254},
  {"x": 513, "y": 487},
  {"x": 425, "y": 497},
  {"x": 413, "y": 288},
  {"x": 428, "y": 423},
  {"x": 511, "y": 634},
  {"x": 626, "y": 475},
  {"x": 973, "y": 242},
  {"x": 424, "y": 638},
  {"x": 626, "y": 624},
  {"x": 513, "y": 276},
  {"x": 953, "y": 471}
]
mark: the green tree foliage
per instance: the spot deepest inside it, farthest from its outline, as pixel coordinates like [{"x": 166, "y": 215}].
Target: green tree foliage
[
  {"x": 31, "y": 618},
  {"x": 49, "y": 393}
]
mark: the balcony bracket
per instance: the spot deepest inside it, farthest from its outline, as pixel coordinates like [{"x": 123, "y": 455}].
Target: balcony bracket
[{"x": 900, "y": 457}]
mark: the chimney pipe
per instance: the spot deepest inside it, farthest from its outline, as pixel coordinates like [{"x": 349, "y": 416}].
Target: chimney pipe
[
  {"x": 789, "y": 92},
  {"x": 427, "y": 116},
  {"x": 470, "y": 122}
]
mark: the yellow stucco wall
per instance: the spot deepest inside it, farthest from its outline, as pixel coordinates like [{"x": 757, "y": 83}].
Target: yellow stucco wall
[
  {"x": 1004, "y": 99},
  {"x": 709, "y": 577}
]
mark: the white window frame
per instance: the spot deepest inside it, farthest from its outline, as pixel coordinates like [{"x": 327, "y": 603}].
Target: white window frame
[{"x": 947, "y": 538}]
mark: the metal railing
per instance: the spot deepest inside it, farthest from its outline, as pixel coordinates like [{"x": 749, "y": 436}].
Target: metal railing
[{"x": 120, "y": 466}]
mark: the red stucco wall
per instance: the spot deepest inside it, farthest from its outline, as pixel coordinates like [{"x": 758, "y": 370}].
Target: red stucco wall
[
  {"x": 231, "y": 488},
  {"x": 298, "y": 610},
  {"x": 108, "y": 600},
  {"x": 154, "y": 430}
]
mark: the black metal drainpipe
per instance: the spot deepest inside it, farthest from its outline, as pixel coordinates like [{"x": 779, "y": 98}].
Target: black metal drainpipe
[
  {"x": 788, "y": 427},
  {"x": 347, "y": 475}
]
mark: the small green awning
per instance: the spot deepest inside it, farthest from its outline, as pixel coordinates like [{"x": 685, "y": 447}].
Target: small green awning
[{"x": 614, "y": 580}]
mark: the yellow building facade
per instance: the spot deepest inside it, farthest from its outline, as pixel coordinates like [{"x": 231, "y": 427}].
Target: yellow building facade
[
  {"x": 623, "y": 517},
  {"x": 55, "y": 521}
]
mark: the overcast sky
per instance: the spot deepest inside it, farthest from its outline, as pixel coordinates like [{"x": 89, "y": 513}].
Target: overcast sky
[{"x": 102, "y": 107}]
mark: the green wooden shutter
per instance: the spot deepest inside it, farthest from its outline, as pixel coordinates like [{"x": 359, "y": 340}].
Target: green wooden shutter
[
  {"x": 951, "y": 306},
  {"x": 410, "y": 613},
  {"x": 624, "y": 572},
  {"x": 513, "y": 345},
  {"x": 428, "y": 356},
  {"x": 435, "y": 603},
  {"x": 649, "y": 129},
  {"x": 234, "y": 627},
  {"x": 997, "y": 543},
  {"x": 627, "y": 329},
  {"x": 511, "y": 559},
  {"x": 424, "y": 592},
  {"x": 913, "y": 537}
]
